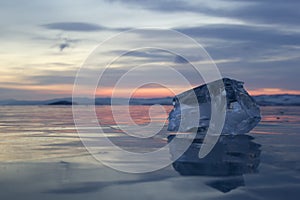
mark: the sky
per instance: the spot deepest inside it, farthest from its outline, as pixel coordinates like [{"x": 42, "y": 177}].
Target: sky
[{"x": 44, "y": 44}]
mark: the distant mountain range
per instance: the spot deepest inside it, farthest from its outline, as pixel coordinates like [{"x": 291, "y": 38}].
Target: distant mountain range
[
  {"x": 278, "y": 100},
  {"x": 263, "y": 100},
  {"x": 87, "y": 101}
]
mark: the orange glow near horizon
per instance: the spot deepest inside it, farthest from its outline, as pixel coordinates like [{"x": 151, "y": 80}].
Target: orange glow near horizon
[
  {"x": 143, "y": 92},
  {"x": 152, "y": 92},
  {"x": 138, "y": 93},
  {"x": 165, "y": 92}
]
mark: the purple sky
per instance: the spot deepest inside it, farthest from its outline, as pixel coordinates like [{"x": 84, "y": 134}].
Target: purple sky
[{"x": 45, "y": 42}]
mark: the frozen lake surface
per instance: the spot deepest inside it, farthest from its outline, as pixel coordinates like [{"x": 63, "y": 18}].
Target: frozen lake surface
[{"x": 42, "y": 157}]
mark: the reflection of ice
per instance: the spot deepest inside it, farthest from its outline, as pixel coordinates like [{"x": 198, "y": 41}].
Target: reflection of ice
[
  {"x": 233, "y": 155},
  {"x": 227, "y": 184}
]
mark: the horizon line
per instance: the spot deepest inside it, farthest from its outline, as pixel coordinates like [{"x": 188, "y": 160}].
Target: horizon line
[{"x": 108, "y": 97}]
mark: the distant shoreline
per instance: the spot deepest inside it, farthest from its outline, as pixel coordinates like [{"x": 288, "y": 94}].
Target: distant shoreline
[{"x": 262, "y": 100}]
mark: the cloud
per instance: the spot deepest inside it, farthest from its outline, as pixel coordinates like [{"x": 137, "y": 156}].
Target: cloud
[
  {"x": 262, "y": 50},
  {"x": 143, "y": 55},
  {"x": 79, "y": 27},
  {"x": 246, "y": 33},
  {"x": 74, "y": 26},
  {"x": 245, "y": 42},
  {"x": 62, "y": 46},
  {"x": 180, "y": 60},
  {"x": 163, "y": 6},
  {"x": 29, "y": 94},
  {"x": 52, "y": 79},
  {"x": 61, "y": 40},
  {"x": 267, "y": 11},
  {"x": 66, "y": 43}
]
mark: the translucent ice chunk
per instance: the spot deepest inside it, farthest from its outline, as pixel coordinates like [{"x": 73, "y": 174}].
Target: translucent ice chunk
[{"x": 242, "y": 112}]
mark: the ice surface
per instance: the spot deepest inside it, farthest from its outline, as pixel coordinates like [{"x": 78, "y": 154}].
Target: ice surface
[{"x": 242, "y": 112}]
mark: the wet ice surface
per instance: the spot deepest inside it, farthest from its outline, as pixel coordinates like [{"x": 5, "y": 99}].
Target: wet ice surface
[{"x": 43, "y": 158}]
